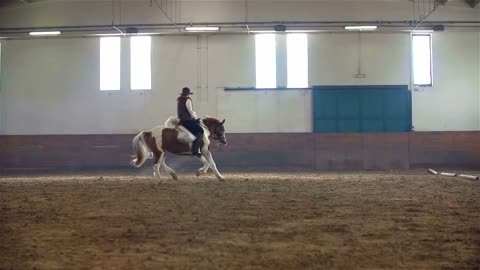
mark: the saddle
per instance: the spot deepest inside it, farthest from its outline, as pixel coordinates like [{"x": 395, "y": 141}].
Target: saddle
[{"x": 183, "y": 135}]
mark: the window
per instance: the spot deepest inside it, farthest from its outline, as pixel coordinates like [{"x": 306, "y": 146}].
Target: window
[
  {"x": 110, "y": 63},
  {"x": 140, "y": 63},
  {"x": 297, "y": 61},
  {"x": 265, "y": 57},
  {"x": 422, "y": 59}
]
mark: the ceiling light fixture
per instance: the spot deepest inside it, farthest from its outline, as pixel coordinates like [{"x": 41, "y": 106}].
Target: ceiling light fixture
[
  {"x": 46, "y": 33},
  {"x": 202, "y": 28},
  {"x": 362, "y": 27},
  {"x": 280, "y": 28}
]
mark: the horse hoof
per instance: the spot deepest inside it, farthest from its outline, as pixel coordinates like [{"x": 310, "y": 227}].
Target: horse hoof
[
  {"x": 221, "y": 178},
  {"x": 198, "y": 173},
  {"x": 174, "y": 176}
]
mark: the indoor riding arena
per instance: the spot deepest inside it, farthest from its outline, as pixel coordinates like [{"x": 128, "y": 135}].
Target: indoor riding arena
[{"x": 336, "y": 134}]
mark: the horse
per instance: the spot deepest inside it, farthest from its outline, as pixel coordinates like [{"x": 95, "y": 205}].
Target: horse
[{"x": 176, "y": 139}]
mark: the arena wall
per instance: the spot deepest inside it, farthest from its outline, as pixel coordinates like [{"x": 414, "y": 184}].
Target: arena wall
[{"x": 246, "y": 152}]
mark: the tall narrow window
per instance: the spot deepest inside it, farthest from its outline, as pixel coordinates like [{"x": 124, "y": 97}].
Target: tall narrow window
[
  {"x": 297, "y": 61},
  {"x": 110, "y": 63},
  {"x": 422, "y": 59},
  {"x": 265, "y": 57},
  {"x": 140, "y": 63}
]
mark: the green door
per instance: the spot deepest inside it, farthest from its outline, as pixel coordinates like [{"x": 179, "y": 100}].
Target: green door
[{"x": 362, "y": 109}]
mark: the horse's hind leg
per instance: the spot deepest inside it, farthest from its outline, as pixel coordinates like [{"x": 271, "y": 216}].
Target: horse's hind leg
[
  {"x": 168, "y": 169},
  {"x": 204, "y": 169}
]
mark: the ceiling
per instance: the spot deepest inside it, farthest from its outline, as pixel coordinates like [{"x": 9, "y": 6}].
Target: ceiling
[
  {"x": 13, "y": 3},
  {"x": 233, "y": 26}
]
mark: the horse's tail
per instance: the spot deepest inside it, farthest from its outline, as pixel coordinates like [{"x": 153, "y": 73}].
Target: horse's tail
[
  {"x": 172, "y": 122},
  {"x": 140, "y": 149}
]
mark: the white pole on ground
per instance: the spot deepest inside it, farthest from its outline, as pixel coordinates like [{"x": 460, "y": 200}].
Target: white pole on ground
[
  {"x": 448, "y": 174},
  {"x": 466, "y": 176}
]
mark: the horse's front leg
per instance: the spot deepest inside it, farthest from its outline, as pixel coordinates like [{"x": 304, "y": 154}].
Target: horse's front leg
[
  {"x": 158, "y": 159},
  {"x": 208, "y": 156},
  {"x": 204, "y": 169}
]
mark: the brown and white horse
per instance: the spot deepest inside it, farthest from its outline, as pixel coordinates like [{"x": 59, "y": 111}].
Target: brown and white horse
[{"x": 177, "y": 140}]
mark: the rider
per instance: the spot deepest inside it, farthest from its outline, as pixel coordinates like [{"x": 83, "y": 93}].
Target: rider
[{"x": 188, "y": 118}]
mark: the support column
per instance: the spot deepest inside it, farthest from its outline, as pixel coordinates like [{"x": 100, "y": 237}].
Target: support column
[
  {"x": 202, "y": 69},
  {"x": 125, "y": 63}
]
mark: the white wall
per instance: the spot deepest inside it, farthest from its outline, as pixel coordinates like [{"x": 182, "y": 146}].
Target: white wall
[
  {"x": 232, "y": 64},
  {"x": 51, "y": 86},
  {"x": 384, "y": 59},
  {"x": 452, "y": 102}
]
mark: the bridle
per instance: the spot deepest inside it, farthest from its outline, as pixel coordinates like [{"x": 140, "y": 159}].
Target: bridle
[{"x": 215, "y": 136}]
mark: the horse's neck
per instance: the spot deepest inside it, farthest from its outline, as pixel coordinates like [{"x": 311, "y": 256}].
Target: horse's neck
[{"x": 205, "y": 127}]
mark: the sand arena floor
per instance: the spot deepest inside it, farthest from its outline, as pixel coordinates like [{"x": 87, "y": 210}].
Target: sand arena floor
[{"x": 396, "y": 220}]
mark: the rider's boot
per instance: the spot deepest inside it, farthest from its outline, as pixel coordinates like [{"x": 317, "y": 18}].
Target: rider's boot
[{"x": 196, "y": 145}]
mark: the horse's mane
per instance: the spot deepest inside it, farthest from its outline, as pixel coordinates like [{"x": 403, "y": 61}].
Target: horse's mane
[{"x": 212, "y": 120}]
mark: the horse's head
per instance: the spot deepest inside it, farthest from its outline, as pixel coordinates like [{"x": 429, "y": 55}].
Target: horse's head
[{"x": 217, "y": 130}]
